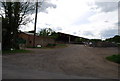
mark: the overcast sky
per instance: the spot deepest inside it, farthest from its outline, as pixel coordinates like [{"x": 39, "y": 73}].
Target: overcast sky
[{"x": 84, "y": 18}]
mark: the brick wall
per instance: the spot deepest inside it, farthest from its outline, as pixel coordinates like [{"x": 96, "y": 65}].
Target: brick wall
[{"x": 39, "y": 40}]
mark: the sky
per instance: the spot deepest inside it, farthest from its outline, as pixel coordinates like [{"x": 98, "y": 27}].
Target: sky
[{"x": 93, "y": 19}]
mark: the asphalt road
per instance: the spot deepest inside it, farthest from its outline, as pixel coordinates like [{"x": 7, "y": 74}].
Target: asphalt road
[{"x": 74, "y": 61}]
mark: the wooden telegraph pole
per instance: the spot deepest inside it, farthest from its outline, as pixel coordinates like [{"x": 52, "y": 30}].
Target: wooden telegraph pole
[{"x": 35, "y": 23}]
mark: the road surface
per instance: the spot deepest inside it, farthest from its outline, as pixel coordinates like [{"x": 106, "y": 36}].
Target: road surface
[{"x": 74, "y": 61}]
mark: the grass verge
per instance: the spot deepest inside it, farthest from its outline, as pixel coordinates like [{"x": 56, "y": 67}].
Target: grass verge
[
  {"x": 15, "y": 51},
  {"x": 114, "y": 58},
  {"x": 56, "y": 46},
  {"x": 52, "y": 46}
]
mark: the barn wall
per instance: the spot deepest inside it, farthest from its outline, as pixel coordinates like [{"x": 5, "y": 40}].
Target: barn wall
[{"x": 39, "y": 40}]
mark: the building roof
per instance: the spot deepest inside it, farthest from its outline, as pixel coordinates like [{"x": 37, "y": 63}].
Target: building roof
[
  {"x": 30, "y": 33},
  {"x": 71, "y": 35}
]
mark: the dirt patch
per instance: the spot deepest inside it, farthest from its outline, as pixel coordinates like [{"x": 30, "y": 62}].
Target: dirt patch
[{"x": 73, "y": 60}]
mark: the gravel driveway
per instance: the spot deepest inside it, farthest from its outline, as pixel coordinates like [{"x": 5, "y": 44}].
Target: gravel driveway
[{"x": 74, "y": 60}]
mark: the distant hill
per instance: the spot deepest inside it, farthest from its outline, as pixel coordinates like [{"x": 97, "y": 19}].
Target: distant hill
[{"x": 115, "y": 39}]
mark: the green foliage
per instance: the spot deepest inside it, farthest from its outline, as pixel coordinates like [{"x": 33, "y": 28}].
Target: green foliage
[
  {"x": 78, "y": 40},
  {"x": 54, "y": 35},
  {"x": 56, "y": 46},
  {"x": 61, "y": 45},
  {"x": 51, "y": 46},
  {"x": 95, "y": 40},
  {"x": 81, "y": 40},
  {"x": 114, "y": 58},
  {"x": 21, "y": 41},
  {"x": 115, "y": 39},
  {"x": 15, "y": 15},
  {"x": 46, "y": 32}
]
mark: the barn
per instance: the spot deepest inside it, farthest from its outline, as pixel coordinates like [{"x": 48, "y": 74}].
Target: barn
[{"x": 27, "y": 40}]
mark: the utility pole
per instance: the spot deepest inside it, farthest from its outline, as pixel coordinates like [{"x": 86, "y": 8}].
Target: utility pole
[
  {"x": 35, "y": 23},
  {"x": 69, "y": 39}
]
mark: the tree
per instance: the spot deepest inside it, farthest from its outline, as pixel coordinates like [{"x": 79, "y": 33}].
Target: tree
[
  {"x": 78, "y": 40},
  {"x": 15, "y": 15},
  {"x": 54, "y": 35},
  {"x": 115, "y": 39},
  {"x": 49, "y": 33},
  {"x": 95, "y": 40},
  {"x": 46, "y": 32}
]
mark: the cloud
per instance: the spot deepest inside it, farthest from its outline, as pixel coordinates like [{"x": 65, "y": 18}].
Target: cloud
[
  {"x": 107, "y": 6},
  {"x": 109, "y": 33},
  {"x": 44, "y": 5},
  {"x": 57, "y": 28},
  {"x": 77, "y": 18},
  {"x": 88, "y": 33}
]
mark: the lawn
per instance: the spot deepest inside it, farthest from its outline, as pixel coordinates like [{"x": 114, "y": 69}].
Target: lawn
[
  {"x": 51, "y": 46},
  {"x": 15, "y": 51},
  {"x": 114, "y": 58}
]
